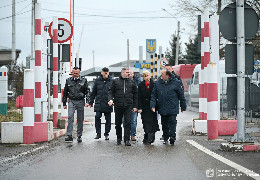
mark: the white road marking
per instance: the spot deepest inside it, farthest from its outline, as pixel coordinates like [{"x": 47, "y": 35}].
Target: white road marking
[
  {"x": 246, "y": 171},
  {"x": 22, "y": 154}
]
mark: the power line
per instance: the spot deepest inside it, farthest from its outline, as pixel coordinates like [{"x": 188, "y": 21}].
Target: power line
[
  {"x": 12, "y": 4},
  {"x": 14, "y": 15},
  {"x": 107, "y": 16},
  {"x": 24, "y": 7}
]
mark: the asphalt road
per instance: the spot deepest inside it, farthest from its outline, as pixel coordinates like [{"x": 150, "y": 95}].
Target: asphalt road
[{"x": 100, "y": 159}]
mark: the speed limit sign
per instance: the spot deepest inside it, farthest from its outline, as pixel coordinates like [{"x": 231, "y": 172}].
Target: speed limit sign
[
  {"x": 164, "y": 61},
  {"x": 65, "y": 30}
]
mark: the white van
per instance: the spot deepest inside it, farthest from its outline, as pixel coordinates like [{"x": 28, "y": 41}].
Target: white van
[{"x": 194, "y": 84}]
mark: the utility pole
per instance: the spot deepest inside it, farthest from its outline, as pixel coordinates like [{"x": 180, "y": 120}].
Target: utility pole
[
  {"x": 13, "y": 34},
  {"x": 32, "y": 35},
  {"x": 178, "y": 39},
  {"x": 128, "y": 58},
  {"x": 177, "y": 45},
  {"x": 93, "y": 52},
  {"x": 240, "y": 71}
]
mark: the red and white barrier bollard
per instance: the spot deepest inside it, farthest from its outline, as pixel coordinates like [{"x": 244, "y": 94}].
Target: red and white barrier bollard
[
  {"x": 64, "y": 112},
  {"x": 201, "y": 76},
  {"x": 55, "y": 71},
  {"x": 28, "y": 106},
  {"x": 206, "y": 59},
  {"x": 38, "y": 58},
  {"x": 213, "y": 76},
  {"x": 212, "y": 101}
]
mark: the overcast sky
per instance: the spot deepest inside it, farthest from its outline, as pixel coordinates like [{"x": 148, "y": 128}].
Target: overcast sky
[{"x": 107, "y": 25}]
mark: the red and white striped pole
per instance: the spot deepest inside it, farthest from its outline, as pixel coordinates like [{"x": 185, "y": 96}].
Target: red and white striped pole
[
  {"x": 28, "y": 106},
  {"x": 206, "y": 58},
  {"x": 201, "y": 75},
  {"x": 64, "y": 112},
  {"x": 38, "y": 58},
  {"x": 55, "y": 71},
  {"x": 72, "y": 60},
  {"x": 213, "y": 100}
]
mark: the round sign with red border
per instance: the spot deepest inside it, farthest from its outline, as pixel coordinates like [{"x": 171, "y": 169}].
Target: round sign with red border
[
  {"x": 163, "y": 62},
  {"x": 65, "y": 30}
]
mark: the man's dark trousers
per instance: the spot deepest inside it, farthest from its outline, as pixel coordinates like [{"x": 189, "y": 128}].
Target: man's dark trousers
[
  {"x": 98, "y": 122},
  {"x": 169, "y": 126},
  {"x": 119, "y": 113}
]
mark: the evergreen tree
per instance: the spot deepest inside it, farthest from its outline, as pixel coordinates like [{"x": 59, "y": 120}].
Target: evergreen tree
[
  {"x": 192, "y": 55},
  {"x": 170, "y": 53}
]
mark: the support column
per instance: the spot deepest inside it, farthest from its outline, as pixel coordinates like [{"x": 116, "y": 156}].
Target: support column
[
  {"x": 141, "y": 58},
  {"x": 152, "y": 66},
  {"x": 55, "y": 71},
  {"x": 28, "y": 106},
  {"x": 201, "y": 73},
  {"x": 3, "y": 92},
  {"x": 155, "y": 66},
  {"x": 212, "y": 101},
  {"x": 240, "y": 136},
  {"x": 213, "y": 108},
  {"x": 206, "y": 59},
  {"x": 64, "y": 112},
  {"x": 38, "y": 59}
]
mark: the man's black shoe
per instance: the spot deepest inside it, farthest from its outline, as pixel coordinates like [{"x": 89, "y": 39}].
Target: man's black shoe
[
  {"x": 97, "y": 136},
  {"x": 79, "y": 139},
  {"x": 127, "y": 143},
  {"x": 172, "y": 140},
  {"x": 106, "y": 137},
  {"x": 145, "y": 141},
  {"x": 118, "y": 142},
  {"x": 69, "y": 139}
]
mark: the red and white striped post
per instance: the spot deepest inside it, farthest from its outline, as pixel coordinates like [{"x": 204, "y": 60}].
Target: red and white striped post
[
  {"x": 201, "y": 74},
  {"x": 38, "y": 58},
  {"x": 64, "y": 112},
  {"x": 55, "y": 71},
  {"x": 213, "y": 100},
  {"x": 28, "y": 106},
  {"x": 206, "y": 58}
]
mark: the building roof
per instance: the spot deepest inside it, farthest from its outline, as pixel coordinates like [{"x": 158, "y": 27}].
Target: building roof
[{"x": 6, "y": 55}]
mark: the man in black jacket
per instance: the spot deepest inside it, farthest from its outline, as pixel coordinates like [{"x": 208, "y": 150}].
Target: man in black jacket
[
  {"x": 76, "y": 89},
  {"x": 100, "y": 93},
  {"x": 123, "y": 95}
]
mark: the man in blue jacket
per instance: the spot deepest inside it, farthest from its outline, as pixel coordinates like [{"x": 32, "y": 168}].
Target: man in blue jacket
[{"x": 167, "y": 92}]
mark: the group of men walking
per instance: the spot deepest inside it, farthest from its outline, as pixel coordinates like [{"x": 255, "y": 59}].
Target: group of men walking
[{"x": 129, "y": 96}]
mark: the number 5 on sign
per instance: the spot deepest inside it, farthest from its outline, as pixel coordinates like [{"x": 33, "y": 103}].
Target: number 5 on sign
[{"x": 65, "y": 30}]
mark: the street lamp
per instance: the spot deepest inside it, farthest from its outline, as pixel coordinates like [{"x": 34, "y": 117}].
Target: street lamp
[{"x": 178, "y": 39}]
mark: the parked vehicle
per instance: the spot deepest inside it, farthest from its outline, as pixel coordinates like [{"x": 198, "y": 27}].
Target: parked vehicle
[
  {"x": 185, "y": 72},
  {"x": 193, "y": 91}
]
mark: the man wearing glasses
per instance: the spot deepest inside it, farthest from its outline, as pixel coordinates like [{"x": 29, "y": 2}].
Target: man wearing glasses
[
  {"x": 168, "y": 92},
  {"x": 76, "y": 89}
]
